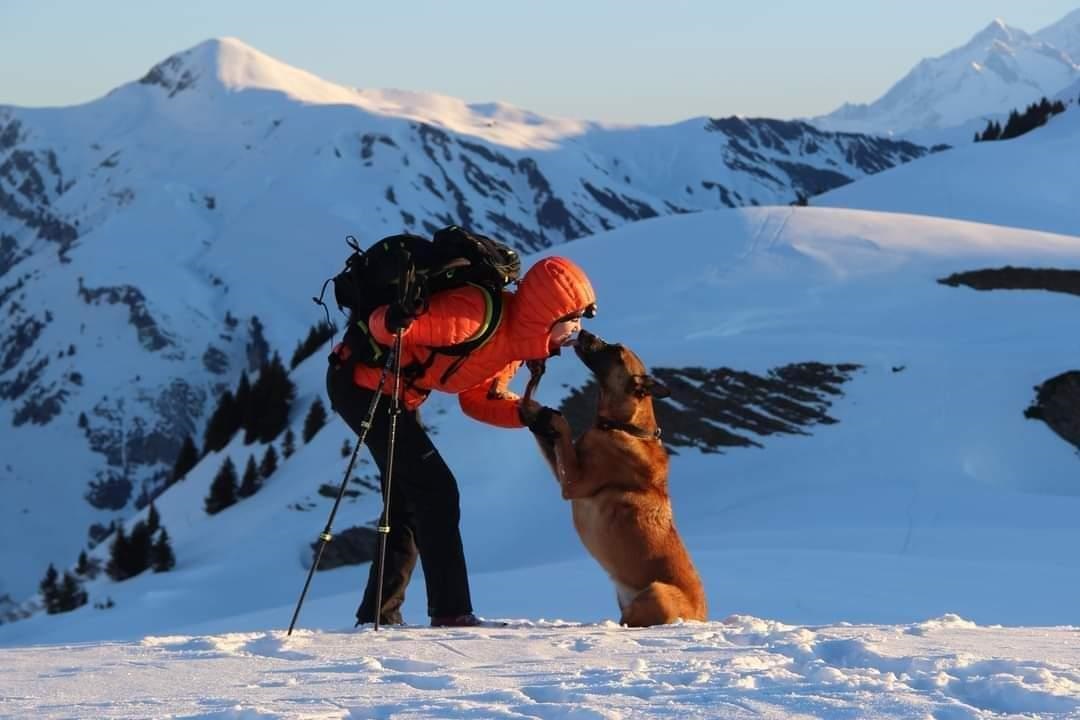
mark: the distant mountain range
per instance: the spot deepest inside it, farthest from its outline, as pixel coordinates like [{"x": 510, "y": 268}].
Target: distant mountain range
[{"x": 1000, "y": 68}]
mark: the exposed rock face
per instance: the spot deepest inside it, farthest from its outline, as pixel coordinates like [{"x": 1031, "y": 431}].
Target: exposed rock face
[
  {"x": 151, "y": 336},
  {"x": 353, "y": 546},
  {"x": 713, "y": 409},
  {"x": 1058, "y": 405},
  {"x": 1015, "y": 278}
]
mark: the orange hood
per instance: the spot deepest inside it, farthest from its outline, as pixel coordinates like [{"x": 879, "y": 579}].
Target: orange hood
[{"x": 553, "y": 288}]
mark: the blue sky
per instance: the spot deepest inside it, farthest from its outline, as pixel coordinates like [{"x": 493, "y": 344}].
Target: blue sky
[{"x": 613, "y": 60}]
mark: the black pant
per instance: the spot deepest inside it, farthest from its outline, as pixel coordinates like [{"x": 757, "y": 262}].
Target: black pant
[{"x": 424, "y": 508}]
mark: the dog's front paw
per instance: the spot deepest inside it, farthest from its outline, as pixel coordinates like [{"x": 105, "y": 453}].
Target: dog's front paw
[{"x": 558, "y": 425}]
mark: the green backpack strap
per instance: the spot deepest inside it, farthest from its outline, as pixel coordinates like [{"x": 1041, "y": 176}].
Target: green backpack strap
[{"x": 493, "y": 314}]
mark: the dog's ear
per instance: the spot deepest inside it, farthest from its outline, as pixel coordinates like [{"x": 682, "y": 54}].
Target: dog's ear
[{"x": 644, "y": 385}]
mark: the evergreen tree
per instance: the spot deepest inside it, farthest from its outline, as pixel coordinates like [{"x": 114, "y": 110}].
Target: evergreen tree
[
  {"x": 249, "y": 484},
  {"x": 185, "y": 460},
  {"x": 316, "y": 337},
  {"x": 50, "y": 591},
  {"x": 222, "y": 489},
  {"x": 315, "y": 420},
  {"x": 139, "y": 548},
  {"x": 162, "y": 558},
  {"x": 70, "y": 595},
  {"x": 222, "y": 424},
  {"x": 246, "y": 407},
  {"x": 269, "y": 462},
  {"x": 119, "y": 556},
  {"x": 82, "y": 567},
  {"x": 153, "y": 519},
  {"x": 992, "y": 131},
  {"x": 346, "y": 449},
  {"x": 272, "y": 398},
  {"x": 288, "y": 446}
]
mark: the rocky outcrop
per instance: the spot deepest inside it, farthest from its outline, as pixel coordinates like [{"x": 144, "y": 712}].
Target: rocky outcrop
[
  {"x": 352, "y": 546},
  {"x": 712, "y": 409},
  {"x": 150, "y": 335},
  {"x": 1057, "y": 404},
  {"x": 1018, "y": 278}
]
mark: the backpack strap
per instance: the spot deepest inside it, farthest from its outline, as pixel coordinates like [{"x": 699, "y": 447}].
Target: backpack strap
[
  {"x": 493, "y": 313},
  {"x": 362, "y": 344}
]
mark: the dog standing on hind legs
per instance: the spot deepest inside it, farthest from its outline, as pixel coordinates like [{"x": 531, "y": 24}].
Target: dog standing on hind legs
[{"x": 616, "y": 478}]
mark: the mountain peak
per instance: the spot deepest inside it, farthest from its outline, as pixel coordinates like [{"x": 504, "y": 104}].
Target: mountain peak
[
  {"x": 227, "y": 64},
  {"x": 997, "y": 30}
]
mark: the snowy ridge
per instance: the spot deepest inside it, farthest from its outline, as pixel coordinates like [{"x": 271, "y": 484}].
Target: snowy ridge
[
  {"x": 1000, "y": 68},
  {"x": 1021, "y": 182},
  {"x": 1064, "y": 34}
]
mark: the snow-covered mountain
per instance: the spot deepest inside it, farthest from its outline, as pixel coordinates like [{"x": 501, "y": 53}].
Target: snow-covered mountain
[
  {"x": 1064, "y": 35},
  {"x": 1028, "y": 181},
  {"x": 1000, "y": 68},
  {"x": 160, "y": 240}
]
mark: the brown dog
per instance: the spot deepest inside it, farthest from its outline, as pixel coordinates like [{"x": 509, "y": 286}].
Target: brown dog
[{"x": 616, "y": 477}]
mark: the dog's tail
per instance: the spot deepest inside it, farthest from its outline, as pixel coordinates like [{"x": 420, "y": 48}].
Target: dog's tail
[{"x": 661, "y": 603}]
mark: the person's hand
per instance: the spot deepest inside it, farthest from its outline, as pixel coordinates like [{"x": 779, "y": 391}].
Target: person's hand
[
  {"x": 397, "y": 318},
  {"x": 541, "y": 420}
]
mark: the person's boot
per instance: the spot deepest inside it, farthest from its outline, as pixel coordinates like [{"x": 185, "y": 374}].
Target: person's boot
[
  {"x": 391, "y": 619},
  {"x": 465, "y": 620}
]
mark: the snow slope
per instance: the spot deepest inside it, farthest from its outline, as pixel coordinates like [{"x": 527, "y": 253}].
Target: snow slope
[
  {"x": 1029, "y": 181},
  {"x": 931, "y": 494}
]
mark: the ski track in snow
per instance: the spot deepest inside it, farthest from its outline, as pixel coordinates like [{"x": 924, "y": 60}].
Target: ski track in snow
[{"x": 743, "y": 667}]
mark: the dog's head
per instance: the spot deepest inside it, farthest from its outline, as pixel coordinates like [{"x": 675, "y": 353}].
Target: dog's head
[{"x": 626, "y": 387}]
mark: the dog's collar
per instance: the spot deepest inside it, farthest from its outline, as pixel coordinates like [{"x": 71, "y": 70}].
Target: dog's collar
[{"x": 604, "y": 423}]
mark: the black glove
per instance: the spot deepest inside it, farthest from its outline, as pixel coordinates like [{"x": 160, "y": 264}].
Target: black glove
[
  {"x": 541, "y": 424},
  {"x": 398, "y": 318}
]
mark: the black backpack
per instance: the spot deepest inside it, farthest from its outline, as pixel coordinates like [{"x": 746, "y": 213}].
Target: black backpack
[{"x": 407, "y": 269}]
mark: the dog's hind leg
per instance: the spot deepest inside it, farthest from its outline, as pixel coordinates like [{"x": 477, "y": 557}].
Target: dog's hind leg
[{"x": 659, "y": 604}]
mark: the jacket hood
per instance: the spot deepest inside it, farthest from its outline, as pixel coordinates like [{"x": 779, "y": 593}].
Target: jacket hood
[{"x": 553, "y": 288}]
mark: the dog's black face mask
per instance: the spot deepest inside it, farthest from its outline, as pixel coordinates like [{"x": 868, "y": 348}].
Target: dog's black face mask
[
  {"x": 619, "y": 372},
  {"x": 598, "y": 356}
]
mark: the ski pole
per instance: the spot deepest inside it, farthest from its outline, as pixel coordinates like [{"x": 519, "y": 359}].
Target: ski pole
[
  {"x": 384, "y": 522},
  {"x": 325, "y": 537}
]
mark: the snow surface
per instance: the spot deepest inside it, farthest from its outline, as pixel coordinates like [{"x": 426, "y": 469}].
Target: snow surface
[
  {"x": 1031, "y": 181},
  {"x": 930, "y": 507},
  {"x": 743, "y": 667}
]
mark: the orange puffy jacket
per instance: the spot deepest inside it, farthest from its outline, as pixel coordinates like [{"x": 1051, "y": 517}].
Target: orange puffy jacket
[{"x": 552, "y": 289}]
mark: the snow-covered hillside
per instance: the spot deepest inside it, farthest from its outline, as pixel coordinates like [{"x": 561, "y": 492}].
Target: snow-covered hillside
[
  {"x": 999, "y": 69},
  {"x": 160, "y": 240},
  {"x": 920, "y": 490},
  {"x": 1029, "y": 181}
]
